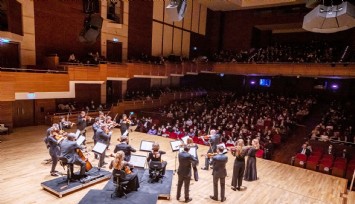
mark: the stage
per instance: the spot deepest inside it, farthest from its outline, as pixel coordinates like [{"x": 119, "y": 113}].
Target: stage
[{"x": 22, "y": 171}]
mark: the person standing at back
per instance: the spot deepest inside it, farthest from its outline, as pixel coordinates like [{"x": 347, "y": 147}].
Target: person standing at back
[{"x": 219, "y": 173}]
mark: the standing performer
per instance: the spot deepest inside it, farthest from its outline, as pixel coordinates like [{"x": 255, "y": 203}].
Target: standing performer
[
  {"x": 54, "y": 152},
  {"x": 190, "y": 143},
  {"x": 219, "y": 173},
  {"x": 212, "y": 142},
  {"x": 95, "y": 127},
  {"x": 155, "y": 155},
  {"x": 103, "y": 136},
  {"x": 68, "y": 150},
  {"x": 124, "y": 125},
  {"x": 250, "y": 170},
  {"x": 239, "y": 165},
  {"x": 125, "y": 147},
  {"x": 82, "y": 123},
  {"x": 186, "y": 160}
]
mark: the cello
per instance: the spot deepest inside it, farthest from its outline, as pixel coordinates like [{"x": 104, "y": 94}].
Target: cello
[{"x": 88, "y": 165}]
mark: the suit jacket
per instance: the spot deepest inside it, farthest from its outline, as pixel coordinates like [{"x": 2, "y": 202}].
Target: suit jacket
[
  {"x": 126, "y": 148},
  {"x": 219, "y": 165},
  {"x": 185, "y": 162},
  {"x": 81, "y": 124},
  {"x": 68, "y": 150},
  {"x": 102, "y": 136},
  {"x": 95, "y": 127},
  {"x": 214, "y": 141},
  {"x": 307, "y": 153}
]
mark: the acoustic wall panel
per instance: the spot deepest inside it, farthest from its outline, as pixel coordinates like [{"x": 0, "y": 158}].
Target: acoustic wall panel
[
  {"x": 186, "y": 43},
  {"x": 177, "y": 41},
  {"x": 203, "y": 20},
  {"x": 158, "y": 10},
  {"x": 157, "y": 39},
  {"x": 167, "y": 40},
  {"x": 195, "y": 16}
]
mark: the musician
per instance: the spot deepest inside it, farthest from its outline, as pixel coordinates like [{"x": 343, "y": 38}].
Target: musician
[
  {"x": 186, "y": 160},
  {"x": 155, "y": 155},
  {"x": 212, "y": 142},
  {"x": 125, "y": 147},
  {"x": 239, "y": 165},
  {"x": 54, "y": 152},
  {"x": 118, "y": 164},
  {"x": 219, "y": 173},
  {"x": 82, "y": 123},
  {"x": 64, "y": 124},
  {"x": 124, "y": 125},
  {"x": 103, "y": 136},
  {"x": 190, "y": 143},
  {"x": 68, "y": 150},
  {"x": 53, "y": 128},
  {"x": 95, "y": 127}
]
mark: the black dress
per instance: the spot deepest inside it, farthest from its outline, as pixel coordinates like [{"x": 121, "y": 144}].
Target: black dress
[
  {"x": 250, "y": 169},
  {"x": 152, "y": 158},
  {"x": 133, "y": 183},
  {"x": 238, "y": 170}
]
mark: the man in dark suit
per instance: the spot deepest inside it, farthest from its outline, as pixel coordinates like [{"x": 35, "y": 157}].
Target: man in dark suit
[
  {"x": 68, "y": 150},
  {"x": 304, "y": 150},
  {"x": 219, "y": 173},
  {"x": 186, "y": 160},
  {"x": 82, "y": 123},
  {"x": 103, "y": 136},
  {"x": 212, "y": 142},
  {"x": 124, "y": 125},
  {"x": 53, "y": 152},
  {"x": 125, "y": 147}
]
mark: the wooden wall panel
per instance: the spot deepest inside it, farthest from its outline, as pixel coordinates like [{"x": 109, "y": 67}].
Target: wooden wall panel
[
  {"x": 185, "y": 43},
  {"x": 43, "y": 109},
  {"x": 203, "y": 20},
  {"x": 23, "y": 113},
  {"x": 6, "y": 114},
  {"x": 158, "y": 10},
  {"x": 166, "y": 19},
  {"x": 41, "y": 82},
  {"x": 168, "y": 40},
  {"x": 157, "y": 39},
  {"x": 57, "y": 28},
  {"x": 177, "y": 41},
  {"x": 188, "y": 16},
  {"x": 10, "y": 55},
  {"x": 195, "y": 16}
]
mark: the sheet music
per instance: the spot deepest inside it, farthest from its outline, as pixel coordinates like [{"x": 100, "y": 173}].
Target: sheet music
[
  {"x": 184, "y": 139},
  {"x": 192, "y": 151},
  {"x": 146, "y": 145},
  {"x": 99, "y": 148},
  {"x": 175, "y": 145},
  {"x": 80, "y": 140},
  {"x": 77, "y": 134},
  {"x": 138, "y": 160}
]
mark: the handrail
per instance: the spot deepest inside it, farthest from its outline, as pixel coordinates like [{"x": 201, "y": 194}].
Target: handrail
[
  {"x": 303, "y": 63},
  {"x": 78, "y": 64},
  {"x": 33, "y": 70}
]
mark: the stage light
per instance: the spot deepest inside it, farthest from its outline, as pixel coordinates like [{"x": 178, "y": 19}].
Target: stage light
[
  {"x": 221, "y": 74},
  {"x": 335, "y": 86},
  {"x": 252, "y": 82},
  {"x": 115, "y": 39},
  {"x": 194, "y": 48},
  {"x": 3, "y": 40}
]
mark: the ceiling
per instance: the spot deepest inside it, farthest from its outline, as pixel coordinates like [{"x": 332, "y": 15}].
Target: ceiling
[{"x": 229, "y": 5}]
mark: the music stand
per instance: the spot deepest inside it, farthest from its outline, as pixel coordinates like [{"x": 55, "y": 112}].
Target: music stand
[
  {"x": 192, "y": 151},
  {"x": 77, "y": 134},
  {"x": 80, "y": 140},
  {"x": 138, "y": 161},
  {"x": 99, "y": 148},
  {"x": 175, "y": 145},
  {"x": 146, "y": 146}
]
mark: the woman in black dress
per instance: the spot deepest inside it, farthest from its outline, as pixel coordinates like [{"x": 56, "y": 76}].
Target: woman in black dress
[
  {"x": 119, "y": 164},
  {"x": 250, "y": 170},
  {"x": 239, "y": 165},
  {"x": 155, "y": 155}
]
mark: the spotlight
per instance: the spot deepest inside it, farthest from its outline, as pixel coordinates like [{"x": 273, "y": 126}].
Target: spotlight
[
  {"x": 252, "y": 82},
  {"x": 335, "y": 86},
  {"x": 4, "y": 40}
]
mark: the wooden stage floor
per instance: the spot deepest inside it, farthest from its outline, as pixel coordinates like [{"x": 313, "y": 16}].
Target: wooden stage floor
[{"x": 22, "y": 170}]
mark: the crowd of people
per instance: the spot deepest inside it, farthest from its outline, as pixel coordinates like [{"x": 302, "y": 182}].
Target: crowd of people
[
  {"x": 155, "y": 93},
  {"x": 73, "y": 106},
  {"x": 313, "y": 52},
  {"x": 255, "y": 115}
]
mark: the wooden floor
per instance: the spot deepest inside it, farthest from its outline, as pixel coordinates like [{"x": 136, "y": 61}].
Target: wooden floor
[{"x": 22, "y": 171}]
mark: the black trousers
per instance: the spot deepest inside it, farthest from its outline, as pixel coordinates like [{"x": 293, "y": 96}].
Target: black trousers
[
  {"x": 215, "y": 186},
  {"x": 238, "y": 173},
  {"x": 186, "y": 181}
]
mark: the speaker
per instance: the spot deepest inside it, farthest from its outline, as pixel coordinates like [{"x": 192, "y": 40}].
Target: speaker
[
  {"x": 330, "y": 19},
  {"x": 175, "y": 11},
  {"x": 92, "y": 29}
]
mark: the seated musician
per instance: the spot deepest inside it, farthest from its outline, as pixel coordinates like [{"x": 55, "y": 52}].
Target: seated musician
[
  {"x": 119, "y": 164},
  {"x": 125, "y": 147},
  {"x": 68, "y": 150},
  {"x": 155, "y": 155}
]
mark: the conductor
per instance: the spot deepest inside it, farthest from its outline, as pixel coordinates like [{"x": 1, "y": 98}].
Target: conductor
[
  {"x": 68, "y": 150},
  {"x": 186, "y": 160}
]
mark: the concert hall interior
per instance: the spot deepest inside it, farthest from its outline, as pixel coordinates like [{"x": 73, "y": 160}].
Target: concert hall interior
[{"x": 171, "y": 101}]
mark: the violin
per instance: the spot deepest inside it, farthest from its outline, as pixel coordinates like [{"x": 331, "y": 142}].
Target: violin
[
  {"x": 127, "y": 170},
  {"x": 206, "y": 137},
  {"x": 209, "y": 155}
]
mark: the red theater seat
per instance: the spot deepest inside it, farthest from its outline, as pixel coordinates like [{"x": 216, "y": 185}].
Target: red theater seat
[{"x": 259, "y": 153}]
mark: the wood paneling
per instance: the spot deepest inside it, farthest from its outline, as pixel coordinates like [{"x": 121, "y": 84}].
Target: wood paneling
[
  {"x": 140, "y": 28},
  {"x": 168, "y": 40},
  {"x": 158, "y": 10},
  {"x": 195, "y": 16},
  {"x": 86, "y": 73},
  {"x": 57, "y": 28},
  {"x": 10, "y": 55},
  {"x": 157, "y": 39},
  {"x": 177, "y": 42},
  {"x": 188, "y": 16},
  {"x": 118, "y": 71},
  {"x": 202, "y": 20},
  {"x": 84, "y": 93},
  {"x": 43, "y": 109},
  {"x": 15, "y": 17},
  {"x": 185, "y": 44},
  {"x": 23, "y": 113},
  {"x": 6, "y": 114}
]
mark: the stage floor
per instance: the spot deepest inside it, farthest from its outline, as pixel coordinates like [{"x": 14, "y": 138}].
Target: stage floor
[{"x": 22, "y": 171}]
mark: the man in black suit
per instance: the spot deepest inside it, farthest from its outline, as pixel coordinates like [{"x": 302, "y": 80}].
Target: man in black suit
[
  {"x": 124, "y": 125},
  {"x": 219, "y": 173},
  {"x": 125, "y": 147},
  {"x": 304, "y": 150},
  {"x": 186, "y": 160},
  {"x": 95, "y": 127},
  {"x": 212, "y": 142},
  {"x": 68, "y": 150},
  {"x": 103, "y": 136}
]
